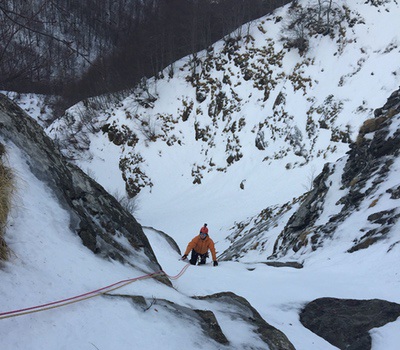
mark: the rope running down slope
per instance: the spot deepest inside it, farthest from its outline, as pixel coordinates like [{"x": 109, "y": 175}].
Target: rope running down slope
[{"x": 88, "y": 295}]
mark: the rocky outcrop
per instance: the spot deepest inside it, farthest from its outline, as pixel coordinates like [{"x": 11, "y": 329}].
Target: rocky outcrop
[
  {"x": 300, "y": 230},
  {"x": 368, "y": 164},
  {"x": 345, "y": 323},
  {"x": 292, "y": 264},
  {"x": 240, "y": 309},
  {"x": 96, "y": 216},
  {"x": 371, "y": 156},
  {"x": 250, "y": 235}
]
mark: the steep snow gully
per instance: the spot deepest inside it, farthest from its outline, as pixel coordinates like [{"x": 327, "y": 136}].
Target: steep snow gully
[
  {"x": 287, "y": 157},
  {"x": 364, "y": 290}
]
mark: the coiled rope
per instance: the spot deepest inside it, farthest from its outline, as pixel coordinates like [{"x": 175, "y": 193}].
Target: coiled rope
[{"x": 88, "y": 295}]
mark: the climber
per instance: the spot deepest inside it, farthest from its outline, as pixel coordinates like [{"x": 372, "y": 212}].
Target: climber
[{"x": 199, "y": 246}]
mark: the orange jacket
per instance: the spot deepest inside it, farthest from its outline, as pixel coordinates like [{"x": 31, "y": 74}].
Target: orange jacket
[{"x": 202, "y": 246}]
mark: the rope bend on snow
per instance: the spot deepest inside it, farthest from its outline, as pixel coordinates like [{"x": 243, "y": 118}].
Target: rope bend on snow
[{"x": 88, "y": 295}]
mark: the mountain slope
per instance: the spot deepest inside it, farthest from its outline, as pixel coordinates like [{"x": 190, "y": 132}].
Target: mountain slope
[
  {"x": 244, "y": 110},
  {"x": 341, "y": 233}
]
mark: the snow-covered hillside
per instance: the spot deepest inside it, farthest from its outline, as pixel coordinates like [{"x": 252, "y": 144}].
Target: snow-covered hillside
[
  {"x": 235, "y": 138},
  {"x": 246, "y": 117}
]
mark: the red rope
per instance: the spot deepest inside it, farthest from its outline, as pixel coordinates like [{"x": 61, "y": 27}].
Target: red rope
[
  {"x": 88, "y": 295},
  {"x": 179, "y": 274}
]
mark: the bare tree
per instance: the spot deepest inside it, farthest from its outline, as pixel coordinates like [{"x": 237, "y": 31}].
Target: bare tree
[
  {"x": 318, "y": 17},
  {"x": 25, "y": 42},
  {"x": 79, "y": 49}
]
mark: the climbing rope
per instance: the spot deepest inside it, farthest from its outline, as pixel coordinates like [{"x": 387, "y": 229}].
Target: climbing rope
[{"x": 88, "y": 295}]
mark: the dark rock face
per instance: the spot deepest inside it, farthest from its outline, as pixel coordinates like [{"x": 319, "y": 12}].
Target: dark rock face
[
  {"x": 298, "y": 231},
  {"x": 96, "y": 216},
  {"x": 345, "y": 323},
  {"x": 374, "y": 156},
  {"x": 293, "y": 264},
  {"x": 211, "y": 327},
  {"x": 385, "y": 219}
]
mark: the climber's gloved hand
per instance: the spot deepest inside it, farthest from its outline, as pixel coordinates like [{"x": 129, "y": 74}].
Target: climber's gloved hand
[
  {"x": 215, "y": 263},
  {"x": 184, "y": 257}
]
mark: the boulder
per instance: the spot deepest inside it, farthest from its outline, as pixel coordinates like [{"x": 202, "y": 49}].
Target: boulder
[
  {"x": 345, "y": 323},
  {"x": 241, "y": 310}
]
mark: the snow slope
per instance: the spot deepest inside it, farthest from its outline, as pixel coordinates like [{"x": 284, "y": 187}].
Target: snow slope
[
  {"x": 360, "y": 73},
  {"x": 49, "y": 263}
]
